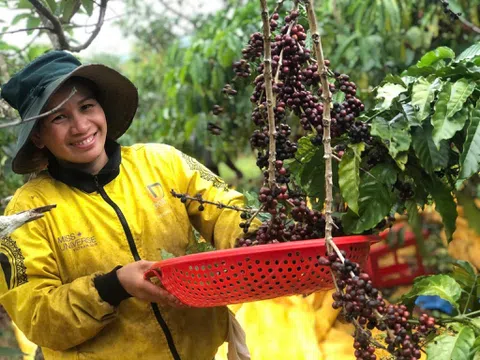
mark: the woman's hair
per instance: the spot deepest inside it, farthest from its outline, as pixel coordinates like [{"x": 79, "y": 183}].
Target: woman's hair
[{"x": 85, "y": 82}]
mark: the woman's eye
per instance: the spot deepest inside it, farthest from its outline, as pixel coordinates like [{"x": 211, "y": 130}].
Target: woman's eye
[
  {"x": 86, "y": 106},
  {"x": 58, "y": 118}
]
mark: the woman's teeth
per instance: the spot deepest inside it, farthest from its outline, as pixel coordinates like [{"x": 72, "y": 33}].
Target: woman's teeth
[{"x": 86, "y": 141}]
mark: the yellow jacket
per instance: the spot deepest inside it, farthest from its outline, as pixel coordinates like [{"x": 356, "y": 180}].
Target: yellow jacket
[{"x": 56, "y": 268}]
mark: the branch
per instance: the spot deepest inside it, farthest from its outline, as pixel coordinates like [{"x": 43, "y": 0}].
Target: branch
[
  {"x": 469, "y": 25},
  {"x": 57, "y": 27},
  {"x": 101, "y": 18},
  {"x": 178, "y": 13},
  {"x": 55, "y": 109},
  {"x": 29, "y": 29},
  {"x": 267, "y": 75},
  {"x": 219, "y": 205},
  {"x": 327, "y": 100}
]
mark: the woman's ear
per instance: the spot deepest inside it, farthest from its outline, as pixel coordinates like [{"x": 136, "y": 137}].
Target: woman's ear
[{"x": 35, "y": 137}]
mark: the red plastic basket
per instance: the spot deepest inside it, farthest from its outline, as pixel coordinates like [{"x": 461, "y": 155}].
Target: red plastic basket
[
  {"x": 254, "y": 273},
  {"x": 387, "y": 268}
]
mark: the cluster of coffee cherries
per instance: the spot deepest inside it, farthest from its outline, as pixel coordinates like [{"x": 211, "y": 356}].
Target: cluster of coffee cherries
[
  {"x": 405, "y": 190},
  {"x": 446, "y": 9},
  {"x": 297, "y": 91},
  {"x": 242, "y": 68},
  {"x": 363, "y": 304},
  {"x": 214, "y": 129},
  {"x": 229, "y": 90}
]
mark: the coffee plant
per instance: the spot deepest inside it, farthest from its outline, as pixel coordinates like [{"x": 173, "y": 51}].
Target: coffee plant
[{"x": 330, "y": 168}]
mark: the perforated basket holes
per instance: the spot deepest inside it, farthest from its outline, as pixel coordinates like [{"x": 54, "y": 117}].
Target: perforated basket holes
[
  {"x": 358, "y": 252},
  {"x": 215, "y": 281}
]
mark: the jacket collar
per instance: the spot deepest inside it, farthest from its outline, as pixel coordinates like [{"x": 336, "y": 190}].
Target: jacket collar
[{"x": 84, "y": 181}]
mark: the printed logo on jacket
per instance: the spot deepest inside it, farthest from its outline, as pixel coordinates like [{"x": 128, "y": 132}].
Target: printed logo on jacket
[
  {"x": 75, "y": 241},
  {"x": 12, "y": 262}
]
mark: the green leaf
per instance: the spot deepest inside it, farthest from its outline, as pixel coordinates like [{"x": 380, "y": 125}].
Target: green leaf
[
  {"x": 470, "y": 210},
  {"x": 312, "y": 176},
  {"x": 10, "y": 352},
  {"x": 394, "y": 133},
  {"x": 409, "y": 112},
  {"x": 20, "y": 17},
  {"x": 414, "y": 37},
  {"x": 476, "y": 349},
  {"x": 401, "y": 160},
  {"x": 444, "y": 124},
  {"x": 464, "y": 274},
  {"x": 443, "y": 286},
  {"x": 415, "y": 221},
  {"x": 52, "y": 5},
  {"x": 433, "y": 56},
  {"x": 349, "y": 175},
  {"x": 69, "y": 9},
  {"x": 423, "y": 93},
  {"x": 88, "y": 6},
  {"x": 32, "y": 23},
  {"x": 470, "y": 53},
  {"x": 199, "y": 247},
  {"x": 388, "y": 93},
  {"x": 461, "y": 91},
  {"x": 445, "y": 205},
  {"x": 393, "y": 79},
  {"x": 427, "y": 153},
  {"x": 24, "y": 4},
  {"x": 306, "y": 150},
  {"x": 251, "y": 199},
  {"x": 470, "y": 157},
  {"x": 452, "y": 346},
  {"x": 375, "y": 200},
  {"x": 166, "y": 255}
]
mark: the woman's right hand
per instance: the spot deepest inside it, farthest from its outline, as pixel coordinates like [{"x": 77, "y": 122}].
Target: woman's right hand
[{"x": 132, "y": 279}]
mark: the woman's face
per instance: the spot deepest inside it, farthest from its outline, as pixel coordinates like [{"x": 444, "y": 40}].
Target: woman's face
[{"x": 75, "y": 134}]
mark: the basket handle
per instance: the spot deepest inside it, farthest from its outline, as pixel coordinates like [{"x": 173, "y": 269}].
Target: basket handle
[{"x": 153, "y": 273}]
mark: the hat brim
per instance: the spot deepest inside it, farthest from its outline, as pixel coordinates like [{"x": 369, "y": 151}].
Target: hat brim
[{"x": 116, "y": 94}]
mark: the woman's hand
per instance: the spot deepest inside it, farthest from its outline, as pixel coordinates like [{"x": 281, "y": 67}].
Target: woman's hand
[{"x": 132, "y": 280}]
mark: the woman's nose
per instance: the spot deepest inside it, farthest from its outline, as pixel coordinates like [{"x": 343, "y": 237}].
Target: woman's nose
[{"x": 80, "y": 124}]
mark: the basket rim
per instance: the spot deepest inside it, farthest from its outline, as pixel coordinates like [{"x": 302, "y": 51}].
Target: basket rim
[{"x": 264, "y": 248}]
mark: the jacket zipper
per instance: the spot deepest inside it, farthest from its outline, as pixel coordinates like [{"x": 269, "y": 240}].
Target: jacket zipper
[{"x": 136, "y": 256}]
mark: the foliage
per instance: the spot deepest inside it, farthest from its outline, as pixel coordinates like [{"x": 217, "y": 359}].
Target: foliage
[
  {"x": 427, "y": 131},
  {"x": 461, "y": 289},
  {"x": 180, "y": 76}
]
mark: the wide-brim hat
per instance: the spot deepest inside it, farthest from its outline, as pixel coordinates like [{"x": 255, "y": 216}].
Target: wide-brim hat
[{"x": 116, "y": 94}]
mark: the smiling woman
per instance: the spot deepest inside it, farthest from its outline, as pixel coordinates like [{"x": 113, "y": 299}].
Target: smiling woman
[
  {"x": 75, "y": 134},
  {"x": 83, "y": 265}
]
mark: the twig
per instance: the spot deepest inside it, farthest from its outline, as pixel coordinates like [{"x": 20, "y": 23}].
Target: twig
[
  {"x": 278, "y": 6},
  {"x": 101, "y": 18},
  {"x": 6, "y": 200},
  {"x": 29, "y": 29},
  {"x": 57, "y": 27},
  {"x": 178, "y": 13},
  {"x": 254, "y": 215},
  {"x": 217, "y": 204},
  {"x": 55, "y": 109},
  {"x": 327, "y": 99},
  {"x": 267, "y": 76},
  {"x": 370, "y": 338},
  {"x": 474, "y": 286},
  {"x": 469, "y": 24}
]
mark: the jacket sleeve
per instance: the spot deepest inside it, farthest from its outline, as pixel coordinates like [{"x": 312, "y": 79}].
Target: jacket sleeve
[
  {"x": 219, "y": 226},
  {"x": 51, "y": 314}
]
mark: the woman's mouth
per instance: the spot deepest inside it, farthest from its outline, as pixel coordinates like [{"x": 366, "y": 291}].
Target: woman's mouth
[{"x": 86, "y": 142}]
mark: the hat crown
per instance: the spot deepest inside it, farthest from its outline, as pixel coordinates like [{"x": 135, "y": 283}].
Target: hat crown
[{"x": 26, "y": 85}]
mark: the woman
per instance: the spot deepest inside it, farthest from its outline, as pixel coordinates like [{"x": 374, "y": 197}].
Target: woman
[{"x": 73, "y": 280}]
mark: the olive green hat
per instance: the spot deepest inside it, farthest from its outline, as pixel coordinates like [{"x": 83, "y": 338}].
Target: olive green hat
[{"x": 28, "y": 92}]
